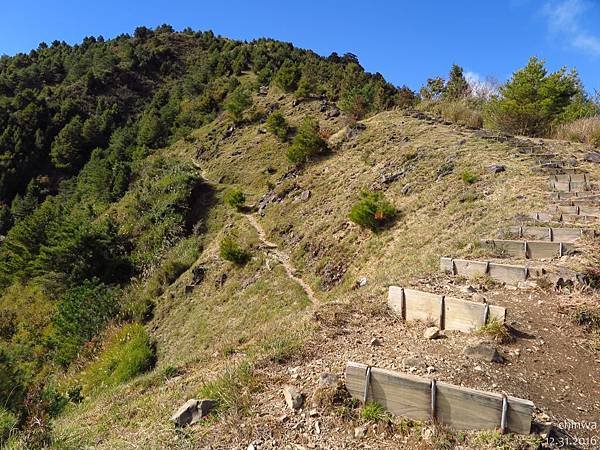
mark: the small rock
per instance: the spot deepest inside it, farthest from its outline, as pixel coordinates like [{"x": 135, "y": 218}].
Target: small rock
[
  {"x": 427, "y": 434},
  {"x": 327, "y": 379},
  {"x": 430, "y": 369},
  {"x": 317, "y": 427},
  {"x": 263, "y": 90},
  {"x": 295, "y": 103},
  {"x": 293, "y": 397},
  {"x": 406, "y": 189},
  {"x": 192, "y": 411},
  {"x": 362, "y": 281},
  {"x": 305, "y": 195},
  {"x": 431, "y": 333},
  {"x": 483, "y": 351},
  {"x": 251, "y": 447},
  {"x": 313, "y": 412},
  {"x": 593, "y": 157},
  {"x": 189, "y": 289},
  {"x": 360, "y": 432},
  {"x": 497, "y": 168},
  {"x": 375, "y": 342},
  {"x": 468, "y": 289},
  {"x": 332, "y": 113}
]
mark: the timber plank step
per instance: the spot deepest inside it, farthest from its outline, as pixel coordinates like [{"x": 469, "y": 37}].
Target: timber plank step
[
  {"x": 505, "y": 273},
  {"x": 419, "y": 398},
  {"x": 450, "y": 313},
  {"x": 530, "y": 249},
  {"x": 552, "y": 234},
  {"x": 569, "y": 186}
]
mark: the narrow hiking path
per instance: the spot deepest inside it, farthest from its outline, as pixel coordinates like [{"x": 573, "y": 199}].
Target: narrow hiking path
[{"x": 282, "y": 257}]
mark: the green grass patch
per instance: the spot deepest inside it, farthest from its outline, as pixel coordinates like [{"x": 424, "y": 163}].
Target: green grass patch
[
  {"x": 232, "y": 390},
  {"x": 128, "y": 353},
  {"x": 374, "y": 412},
  {"x": 469, "y": 177},
  {"x": 230, "y": 250}
]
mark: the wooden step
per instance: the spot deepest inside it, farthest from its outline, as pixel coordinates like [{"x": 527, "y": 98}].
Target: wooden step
[
  {"x": 419, "y": 398},
  {"x": 552, "y": 234},
  {"x": 548, "y": 217},
  {"x": 569, "y": 186},
  {"x": 588, "y": 195},
  {"x": 505, "y": 273},
  {"x": 576, "y": 210},
  {"x": 569, "y": 177},
  {"x": 530, "y": 249},
  {"x": 449, "y": 313}
]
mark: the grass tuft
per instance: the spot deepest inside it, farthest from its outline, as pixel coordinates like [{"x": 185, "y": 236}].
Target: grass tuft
[{"x": 374, "y": 412}]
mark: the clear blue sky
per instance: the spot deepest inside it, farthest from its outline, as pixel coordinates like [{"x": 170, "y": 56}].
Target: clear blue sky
[{"x": 405, "y": 41}]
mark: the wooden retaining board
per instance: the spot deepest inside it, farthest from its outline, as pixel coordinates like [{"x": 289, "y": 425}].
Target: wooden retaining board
[
  {"x": 506, "y": 273},
  {"x": 552, "y": 234},
  {"x": 569, "y": 177},
  {"x": 456, "y": 406},
  {"x": 531, "y": 249},
  {"x": 453, "y": 314},
  {"x": 571, "y": 195}
]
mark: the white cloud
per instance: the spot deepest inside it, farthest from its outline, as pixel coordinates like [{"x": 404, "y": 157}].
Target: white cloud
[{"x": 564, "y": 18}]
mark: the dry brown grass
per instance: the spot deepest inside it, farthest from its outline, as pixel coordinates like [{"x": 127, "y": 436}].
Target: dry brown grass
[{"x": 585, "y": 130}]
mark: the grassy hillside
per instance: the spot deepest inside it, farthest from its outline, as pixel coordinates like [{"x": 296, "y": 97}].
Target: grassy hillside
[{"x": 243, "y": 331}]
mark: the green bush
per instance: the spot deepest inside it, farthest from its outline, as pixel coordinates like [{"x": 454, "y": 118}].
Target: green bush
[
  {"x": 82, "y": 313},
  {"x": 372, "y": 211},
  {"x": 237, "y": 102},
  {"x": 235, "y": 198},
  {"x": 307, "y": 142},
  {"x": 231, "y": 251},
  {"x": 128, "y": 353},
  {"x": 534, "y": 101},
  {"x": 469, "y": 177},
  {"x": 8, "y": 423},
  {"x": 277, "y": 125},
  {"x": 287, "y": 76}
]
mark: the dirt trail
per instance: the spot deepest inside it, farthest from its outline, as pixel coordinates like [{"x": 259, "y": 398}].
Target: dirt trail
[{"x": 282, "y": 257}]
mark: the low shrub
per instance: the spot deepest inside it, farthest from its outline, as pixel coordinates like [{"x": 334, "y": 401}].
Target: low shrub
[
  {"x": 374, "y": 412},
  {"x": 277, "y": 125},
  {"x": 235, "y": 198},
  {"x": 461, "y": 113},
  {"x": 8, "y": 423},
  {"x": 469, "y": 177},
  {"x": 232, "y": 390},
  {"x": 497, "y": 331},
  {"x": 585, "y": 130},
  {"x": 128, "y": 353},
  {"x": 307, "y": 142},
  {"x": 231, "y": 251},
  {"x": 372, "y": 211}
]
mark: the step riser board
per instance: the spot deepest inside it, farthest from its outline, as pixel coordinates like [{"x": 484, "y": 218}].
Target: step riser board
[
  {"x": 569, "y": 186},
  {"x": 569, "y": 177},
  {"x": 505, "y": 273},
  {"x": 455, "y": 406},
  {"x": 530, "y": 249},
  {"x": 448, "y": 313},
  {"x": 568, "y": 235},
  {"x": 577, "y": 210}
]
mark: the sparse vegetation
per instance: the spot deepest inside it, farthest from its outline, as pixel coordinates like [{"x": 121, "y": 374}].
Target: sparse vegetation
[
  {"x": 8, "y": 425},
  {"x": 237, "y": 102},
  {"x": 235, "y": 198},
  {"x": 230, "y": 250},
  {"x": 232, "y": 390},
  {"x": 374, "y": 412},
  {"x": 307, "y": 142},
  {"x": 496, "y": 330},
  {"x": 585, "y": 130},
  {"x": 372, "y": 211},
  {"x": 469, "y": 177}
]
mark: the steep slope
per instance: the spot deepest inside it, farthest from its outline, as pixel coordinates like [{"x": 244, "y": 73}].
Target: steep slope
[{"x": 240, "y": 333}]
